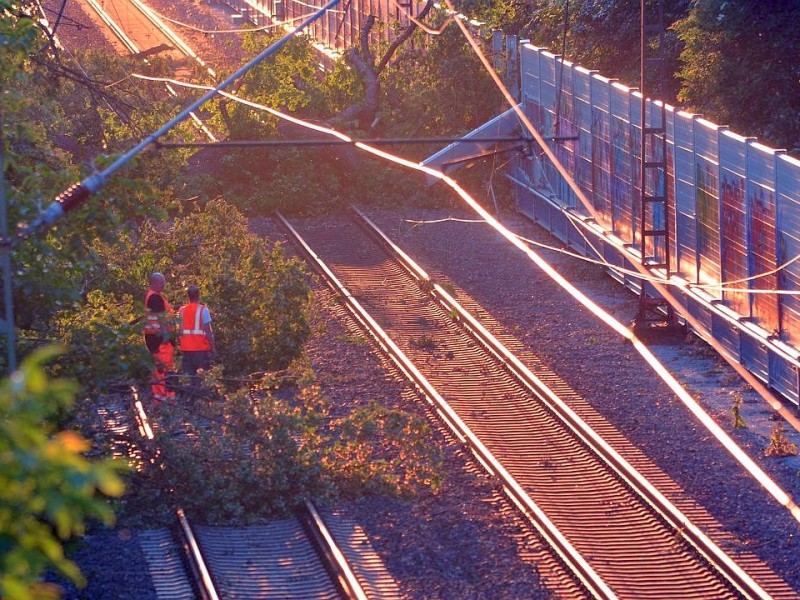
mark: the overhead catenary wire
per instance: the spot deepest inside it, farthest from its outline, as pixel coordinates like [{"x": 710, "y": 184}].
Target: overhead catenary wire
[
  {"x": 79, "y": 192},
  {"x": 344, "y": 139},
  {"x": 602, "y": 262},
  {"x": 76, "y": 194},
  {"x": 754, "y": 382},
  {"x": 708, "y": 422}
]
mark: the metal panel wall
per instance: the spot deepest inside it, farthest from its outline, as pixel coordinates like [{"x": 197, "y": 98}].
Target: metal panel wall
[
  {"x": 601, "y": 149},
  {"x": 733, "y": 206},
  {"x": 670, "y": 186},
  {"x": 788, "y": 207},
  {"x": 733, "y": 217},
  {"x": 621, "y": 178},
  {"x": 581, "y": 89},
  {"x": 706, "y": 167},
  {"x": 761, "y": 229},
  {"x": 685, "y": 197}
]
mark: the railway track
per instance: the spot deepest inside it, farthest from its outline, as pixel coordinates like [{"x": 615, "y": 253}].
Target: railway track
[
  {"x": 609, "y": 514},
  {"x": 139, "y": 31},
  {"x": 310, "y": 555}
]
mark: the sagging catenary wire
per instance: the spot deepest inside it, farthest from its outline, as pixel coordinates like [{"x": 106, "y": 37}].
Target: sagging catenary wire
[
  {"x": 76, "y": 194},
  {"x": 770, "y": 486},
  {"x": 600, "y": 261},
  {"x": 782, "y": 497}
]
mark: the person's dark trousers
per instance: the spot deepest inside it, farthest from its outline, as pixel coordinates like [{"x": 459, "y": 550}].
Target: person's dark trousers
[{"x": 192, "y": 361}]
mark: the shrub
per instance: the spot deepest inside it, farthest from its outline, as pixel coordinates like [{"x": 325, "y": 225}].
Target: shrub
[
  {"x": 48, "y": 489},
  {"x": 105, "y": 342},
  {"x": 256, "y": 456}
]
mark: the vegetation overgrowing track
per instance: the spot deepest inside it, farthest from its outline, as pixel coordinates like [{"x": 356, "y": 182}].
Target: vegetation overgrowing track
[
  {"x": 142, "y": 32},
  {"x": 617, "y": 530},
  {"x": 306, "y": 556}
]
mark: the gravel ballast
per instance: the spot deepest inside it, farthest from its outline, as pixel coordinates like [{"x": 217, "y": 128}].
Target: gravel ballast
[{"x": 459, "y": 544}]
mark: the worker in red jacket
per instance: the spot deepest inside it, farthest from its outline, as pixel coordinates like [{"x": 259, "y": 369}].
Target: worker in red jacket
[
  {"x": 158, "y": 328},
  {"x": 196, "y": 336}
]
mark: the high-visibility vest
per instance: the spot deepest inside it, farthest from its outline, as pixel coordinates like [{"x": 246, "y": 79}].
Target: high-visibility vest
[
  {"x": 152, "y": 322},
  {"x": 193, "y": 336}
]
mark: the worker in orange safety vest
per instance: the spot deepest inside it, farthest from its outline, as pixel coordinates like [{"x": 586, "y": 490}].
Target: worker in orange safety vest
[
  {"x": 158, "y": 328},
  {"x": 196, "y": 336}
]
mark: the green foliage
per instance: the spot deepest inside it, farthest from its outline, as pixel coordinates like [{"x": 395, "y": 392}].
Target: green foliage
[
  {"x": 779, "y": 443},
  {"x": 257, "y": 455},
  {"x": 18, "y": 36},
  {"x": 377, "y": 451},
  {"x": 51, "y": 125},
  {"x": 741, "y": 65},
  {"x": 736, "y": 411},
  {"x": 48, "y": 490},
  {"x": 243, "y": 466},
  {"x": 437, "y": 88},
  {"x": 737, "y": 62},
  {"x": 258, "y": 298},
  {"x": 601, "y": 34},
  {"x": 104, "y": 337},
  {"x": 426, "y": 75},
  {"x": 423, "y": 342}
]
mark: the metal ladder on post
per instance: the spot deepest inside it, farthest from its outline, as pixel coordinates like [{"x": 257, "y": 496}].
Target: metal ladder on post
[{"x": 654, "y": 313}]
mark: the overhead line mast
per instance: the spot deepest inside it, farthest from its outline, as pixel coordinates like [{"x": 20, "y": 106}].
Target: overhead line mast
[{"x": 655, "y": 313}]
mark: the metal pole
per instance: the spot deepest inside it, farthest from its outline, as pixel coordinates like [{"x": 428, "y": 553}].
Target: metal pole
[
  {"x": 8, "y": 301},
  {"x": 643, "y": 137},
  {"x": 77, "y": 193}
]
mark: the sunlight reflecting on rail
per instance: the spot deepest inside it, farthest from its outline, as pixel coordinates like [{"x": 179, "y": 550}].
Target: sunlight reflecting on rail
[{"x": 764, "y": 480}]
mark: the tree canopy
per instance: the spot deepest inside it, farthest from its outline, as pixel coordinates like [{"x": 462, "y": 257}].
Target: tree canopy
[{"x": 737, "y": 62}]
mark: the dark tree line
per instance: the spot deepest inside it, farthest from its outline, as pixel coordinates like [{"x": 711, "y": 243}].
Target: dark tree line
[{"x": 737, "y": 62}]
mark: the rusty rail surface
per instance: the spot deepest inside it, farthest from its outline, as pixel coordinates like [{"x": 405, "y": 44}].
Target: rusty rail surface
[{"x": 607, "y": 521}]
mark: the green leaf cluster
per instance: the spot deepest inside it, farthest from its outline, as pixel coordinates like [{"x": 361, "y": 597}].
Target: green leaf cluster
[
  {"x": 52, "y": 125},
  {"x": 736, "y": 62},
  {"x": 741, "y": 66},
  {"x": 104, "y": 338},
  {"x": 251, "y": 456},
  {"x": 259, "y": 298},
  {"x": 48, "y": 490}
]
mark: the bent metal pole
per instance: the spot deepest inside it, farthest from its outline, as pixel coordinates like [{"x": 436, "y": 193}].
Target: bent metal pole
[{"x": 77, "y": 193}]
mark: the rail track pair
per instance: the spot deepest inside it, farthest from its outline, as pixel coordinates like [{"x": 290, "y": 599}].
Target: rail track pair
[{"x": 615, "y": 522}]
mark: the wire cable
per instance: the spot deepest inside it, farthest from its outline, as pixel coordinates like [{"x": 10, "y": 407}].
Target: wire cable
[{"x": 78, "y": 193}]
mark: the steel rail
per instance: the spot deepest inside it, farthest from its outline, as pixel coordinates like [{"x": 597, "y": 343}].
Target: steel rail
[
  {"x": 593, "y": 583},
  {"x": 664, "y": 290},
  {"x": 134, "y": 49},
  {"x": 114, "y": 26},
  {"x": 335, "y": 560},
  {"x": 197, "y": 564},
  {"x": 162, "y": 27},
  {"x": 171, "y": 35},
  {"x": 724, "y": 564}
]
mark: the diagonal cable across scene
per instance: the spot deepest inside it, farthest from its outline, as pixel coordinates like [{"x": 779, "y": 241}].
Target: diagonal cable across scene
[{"x": 76, "y": 194}]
